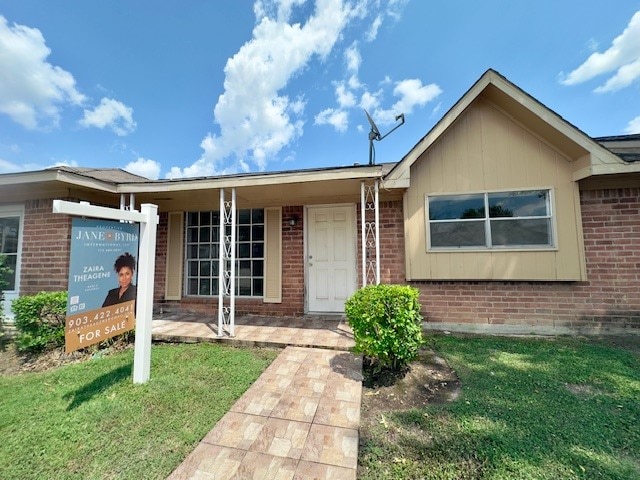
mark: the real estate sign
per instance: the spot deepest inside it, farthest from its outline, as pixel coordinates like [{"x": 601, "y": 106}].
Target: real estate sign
[{"x": 102, "y": 281}]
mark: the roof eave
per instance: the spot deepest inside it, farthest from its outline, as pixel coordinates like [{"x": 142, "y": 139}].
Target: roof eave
[
  {"x": 50, "y": 176},
  {"x": 281, "y": 178}
]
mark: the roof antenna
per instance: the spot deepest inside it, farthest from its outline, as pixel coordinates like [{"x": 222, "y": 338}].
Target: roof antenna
[{"x": 374, "y": 134}]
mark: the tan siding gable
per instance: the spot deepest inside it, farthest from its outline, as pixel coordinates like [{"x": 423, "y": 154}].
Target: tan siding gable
[{"x": 486, "y": 150}]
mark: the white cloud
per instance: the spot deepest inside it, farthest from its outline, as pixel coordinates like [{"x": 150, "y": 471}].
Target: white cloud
[
  {"x": 256, "y": 120},
  {"x": 372, "y": 33},
  {"x": 370, "y": 100},
  {"x": 32, "y": 91},
  {"x": 626, "y": 75},
  {"x": 339, "y": 119},
  {"x": 345, "y": 97},
  {"x": 10, "y": 167},
  {"x": 633, "y": 126},
  {"x": 412, "y": 94},
  {"x": 112, "y": 114},
  {"x": 622, "y": 57},
  {"x": 353, "y": 58},
  {"x": 145, "y": 167}
]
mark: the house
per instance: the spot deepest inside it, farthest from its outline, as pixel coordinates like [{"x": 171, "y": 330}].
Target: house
[{"x": 506, "y": 217}]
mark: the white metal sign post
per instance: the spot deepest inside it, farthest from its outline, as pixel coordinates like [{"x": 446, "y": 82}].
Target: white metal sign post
[{"x": 148, "y": 219}]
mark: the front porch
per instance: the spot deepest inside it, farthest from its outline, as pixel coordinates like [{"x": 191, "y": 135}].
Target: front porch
[{"x": 330, "y": 331}]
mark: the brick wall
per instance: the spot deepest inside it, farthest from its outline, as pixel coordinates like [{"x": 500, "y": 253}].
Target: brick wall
[
  {"x": 160, "y": 275},
  {"x": 293, "y": 288},
  {"x": 45, "y": 248},
  {"x": 391, "y": 240},
  {"x": 609, "y": 299},
  {"x": 292, "y": 275}
]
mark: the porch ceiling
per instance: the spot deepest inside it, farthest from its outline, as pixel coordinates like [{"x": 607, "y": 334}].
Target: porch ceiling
[{"x": 306, "y": 193}]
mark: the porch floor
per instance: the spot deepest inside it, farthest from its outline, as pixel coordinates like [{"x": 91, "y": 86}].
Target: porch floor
[{"x": 320, "y": 331}]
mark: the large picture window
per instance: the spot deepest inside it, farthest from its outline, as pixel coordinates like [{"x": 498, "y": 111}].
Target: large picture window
[
  {"x": 203, "y": 250},
  {"x": 517, "y": 219}
]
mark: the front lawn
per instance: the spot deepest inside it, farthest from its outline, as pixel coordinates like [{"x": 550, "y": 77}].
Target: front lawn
[
  {"x": 528, "y": 409},
  {"x": 89, "y": 420}
]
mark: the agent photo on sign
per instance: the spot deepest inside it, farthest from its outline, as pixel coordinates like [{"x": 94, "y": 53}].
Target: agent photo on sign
[{"x": 125, "y": 266}]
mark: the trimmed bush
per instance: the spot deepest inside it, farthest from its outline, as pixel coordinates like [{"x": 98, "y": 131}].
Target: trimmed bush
[
  {"x": 386, "y": 323},
  {"x": 39, "y": 320}
]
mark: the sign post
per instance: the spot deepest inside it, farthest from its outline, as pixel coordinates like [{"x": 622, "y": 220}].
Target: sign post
[{"x": 148, "y": 219}]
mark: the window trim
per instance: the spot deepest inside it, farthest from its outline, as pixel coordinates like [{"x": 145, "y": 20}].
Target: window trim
[
  {"x": 488, "y": 247},
  {"x": 7, "y": 211},
  {"x": 186, "y": 244}
]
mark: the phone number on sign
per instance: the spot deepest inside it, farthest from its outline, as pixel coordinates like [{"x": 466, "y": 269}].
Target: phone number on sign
[{"x": 103, "y": 315}]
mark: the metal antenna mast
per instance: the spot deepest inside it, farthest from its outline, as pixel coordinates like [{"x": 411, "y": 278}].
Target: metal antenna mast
[{"x": 375, "y": 134}]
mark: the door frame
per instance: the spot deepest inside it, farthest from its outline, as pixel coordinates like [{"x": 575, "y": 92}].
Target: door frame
[
  {"x": 14, "y": 210},
  {"x": 354, "y": 240}
]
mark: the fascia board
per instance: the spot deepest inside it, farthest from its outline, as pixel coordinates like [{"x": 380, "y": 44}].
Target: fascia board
[
  {"x": 605, "y": 169},
  {"x": 249, "y": 181},
  {"x": 46, "y": 176}
]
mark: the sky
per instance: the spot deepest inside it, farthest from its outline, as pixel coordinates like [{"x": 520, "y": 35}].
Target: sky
[{"x": 173, "y": 89}]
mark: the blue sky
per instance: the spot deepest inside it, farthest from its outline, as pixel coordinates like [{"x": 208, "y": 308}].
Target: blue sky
[{"x": 175, "y": 89}]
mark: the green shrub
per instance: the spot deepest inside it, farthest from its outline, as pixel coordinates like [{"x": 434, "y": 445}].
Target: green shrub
[
  {"x": 39, "y": 320},
  {"x": 386, "y": 323}
]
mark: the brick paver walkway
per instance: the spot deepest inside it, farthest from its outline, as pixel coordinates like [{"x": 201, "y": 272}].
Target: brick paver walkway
[{"x": 299, "y": 420}]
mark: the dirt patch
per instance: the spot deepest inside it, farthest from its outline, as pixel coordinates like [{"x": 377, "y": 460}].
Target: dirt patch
[
  {"x": 630, "y": 342},
  {"x": 427, "y": 380},
  {"x": 13, "y": 362},
  {"x": 582, "y": 390}
]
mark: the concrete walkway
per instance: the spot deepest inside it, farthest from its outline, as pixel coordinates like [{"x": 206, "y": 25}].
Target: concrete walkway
[{"x": 299, "y": 420}]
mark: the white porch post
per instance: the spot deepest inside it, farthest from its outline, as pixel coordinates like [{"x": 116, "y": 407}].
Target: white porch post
[
  {"x": 221, "y": 267},
  {"x": 370, "y": 232},
  {"x": 363, "y": 237},
  {"x": 377, "y": 220},
  {"x": 227, "y": 264}
]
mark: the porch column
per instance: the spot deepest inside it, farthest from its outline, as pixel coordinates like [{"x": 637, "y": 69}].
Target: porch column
[
  {"x": 370, "y": 233},
  {"x": 227, "y": 265}
]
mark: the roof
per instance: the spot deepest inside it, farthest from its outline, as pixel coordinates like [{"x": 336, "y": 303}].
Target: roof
[
  {"x": 111, "y": 175},
  {"x": 626, "y": 147}
]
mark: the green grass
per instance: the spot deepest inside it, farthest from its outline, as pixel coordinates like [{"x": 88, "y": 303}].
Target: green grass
[
  {"x": 529, "y": 409},
  {"x": 89, "y": 420}
]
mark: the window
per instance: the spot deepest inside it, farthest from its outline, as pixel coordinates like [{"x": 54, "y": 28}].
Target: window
[
  {"x": 9, "y": 231},
  {"x": 519, "y": 219},
  {"x": 203, "y": 250}
]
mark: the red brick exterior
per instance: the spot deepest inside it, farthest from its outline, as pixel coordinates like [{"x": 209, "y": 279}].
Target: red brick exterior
[
  {"x": 391, "y": 231},
  {"x": 292, "y": 275},
  {"x": 45, "y": 248},
  {"x": 609, "y": 299},
  {"x": 160, "y": 275},
  {"x": 293, "y": 287}
]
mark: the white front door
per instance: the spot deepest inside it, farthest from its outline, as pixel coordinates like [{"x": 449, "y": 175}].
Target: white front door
[
  {"x": 331, "y": 257},
  {"x": 10, "y": 248}
]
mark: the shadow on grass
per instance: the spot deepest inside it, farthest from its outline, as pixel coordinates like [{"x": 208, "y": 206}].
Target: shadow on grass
[
  {"x": 544, "y": 409},
  {"x": 97, "y": 386}
]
